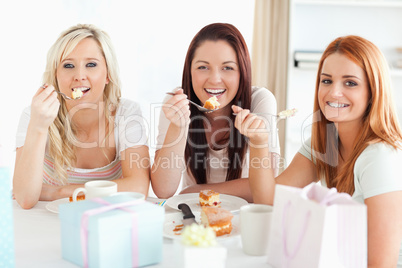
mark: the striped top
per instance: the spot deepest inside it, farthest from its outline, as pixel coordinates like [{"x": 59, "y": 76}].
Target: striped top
[
  {"x": 129, "y": 131},
  {"x": 111, "y": 171}
]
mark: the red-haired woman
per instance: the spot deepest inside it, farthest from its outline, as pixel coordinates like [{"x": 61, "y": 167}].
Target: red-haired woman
[
  {"x": 218, "y": 150},
  {"x": 355, "y": 144}
]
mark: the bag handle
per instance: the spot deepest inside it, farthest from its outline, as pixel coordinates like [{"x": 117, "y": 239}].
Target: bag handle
[{"x": 290, "y": 256}]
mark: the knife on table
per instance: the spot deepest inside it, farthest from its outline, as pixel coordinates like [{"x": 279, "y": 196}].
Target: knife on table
[{"x": 188, "y": 216}]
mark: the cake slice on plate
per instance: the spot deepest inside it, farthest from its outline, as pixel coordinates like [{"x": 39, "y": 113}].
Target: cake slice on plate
[
  {"x": 219, "y": 219},
  {"x": 209, "y": 198}
]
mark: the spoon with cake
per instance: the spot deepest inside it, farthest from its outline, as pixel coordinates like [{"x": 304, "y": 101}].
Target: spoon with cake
[
  {"x": 210, "y": 105},
  {"x": 75, "y": 95}
]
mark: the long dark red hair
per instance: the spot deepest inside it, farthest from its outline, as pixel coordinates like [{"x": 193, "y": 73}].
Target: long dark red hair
[
  {"x": 237, "y": 143},
  {"x": 379, "y": 123}
]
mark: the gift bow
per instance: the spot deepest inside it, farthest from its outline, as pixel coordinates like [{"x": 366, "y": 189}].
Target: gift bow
[
  {"x": 330, "y": 196},
  {"x": 109, "y": 206}
]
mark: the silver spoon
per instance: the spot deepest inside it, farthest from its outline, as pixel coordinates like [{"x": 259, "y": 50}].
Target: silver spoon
[
  {"x": 64, "y": 95},
  {"x": 199, "y": 107}
]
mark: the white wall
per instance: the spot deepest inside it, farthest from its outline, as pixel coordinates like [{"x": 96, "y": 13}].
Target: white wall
[
  {"x": 150, "y": 38},
  {"x": 314, "y": 24}
]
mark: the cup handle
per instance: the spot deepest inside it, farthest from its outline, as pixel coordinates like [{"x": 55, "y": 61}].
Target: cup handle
[{"x": 77, "y": 191}]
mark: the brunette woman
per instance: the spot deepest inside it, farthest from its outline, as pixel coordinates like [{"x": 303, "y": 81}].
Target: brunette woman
[{"x": 222, "y": 149}]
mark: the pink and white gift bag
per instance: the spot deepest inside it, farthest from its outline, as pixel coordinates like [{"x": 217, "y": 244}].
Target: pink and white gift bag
[{"x": 317, "y": 227}]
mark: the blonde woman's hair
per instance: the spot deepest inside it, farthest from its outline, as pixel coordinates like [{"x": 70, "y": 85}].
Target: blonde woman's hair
[
  {"x": 62, "y": 132},
  {"x": 379, "y": 123}
]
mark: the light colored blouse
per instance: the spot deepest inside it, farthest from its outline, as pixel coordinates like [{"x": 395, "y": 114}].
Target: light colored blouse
[
  {"x": 262, "y": 102},
  {"x": 129, "y": 131}
]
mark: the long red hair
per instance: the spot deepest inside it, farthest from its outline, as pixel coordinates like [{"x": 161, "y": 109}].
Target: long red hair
[{"x": 379, "y": 123}]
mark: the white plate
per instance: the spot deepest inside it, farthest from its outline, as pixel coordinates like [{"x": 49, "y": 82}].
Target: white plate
[
  {"x": 54, "y": 205},
  {"x": 228, "y": 202},
  {"x": 174, "y": 219}
]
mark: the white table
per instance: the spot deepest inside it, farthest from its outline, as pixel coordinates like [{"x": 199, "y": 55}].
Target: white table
[{"x": 38, "y": 242}]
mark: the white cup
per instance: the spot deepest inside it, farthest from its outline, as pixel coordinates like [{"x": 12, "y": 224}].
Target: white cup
[
  {"x": 96, "y": 189},
  {"x": 255, "y": 224}
]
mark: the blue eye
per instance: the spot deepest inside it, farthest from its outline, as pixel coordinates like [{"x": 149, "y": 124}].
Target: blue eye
[
  {"x": 68, "y": 65},
  {"x": 202, "y": 68},
  {"x": 91, "y": 64}
]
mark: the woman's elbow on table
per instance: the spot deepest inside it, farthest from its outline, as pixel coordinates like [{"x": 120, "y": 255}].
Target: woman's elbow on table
[
  {"x": 26, "y": 202},
  {"x": 162, "y": 193}
]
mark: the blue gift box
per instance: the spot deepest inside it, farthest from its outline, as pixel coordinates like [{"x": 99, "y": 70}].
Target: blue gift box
[
  {"x": 109, "y": 242},
  {"x": 6, "y": 220}
]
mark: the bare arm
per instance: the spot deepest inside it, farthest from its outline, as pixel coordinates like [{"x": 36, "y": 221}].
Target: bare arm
[
  {"x": 169, "y": 160},
  {"x": 254, "y": 128},
  {"x": 261, "y": 175},
  {"x": 136, "y": 171},
  {"x": 169, "y": 164},
  {"x": 384, "y": 220},
  {"x": 28, "y": 172},
  {"x": 260, "y": 162},
  {"x": 299, "y": 173},
  {"x": 239, "y": 187}
]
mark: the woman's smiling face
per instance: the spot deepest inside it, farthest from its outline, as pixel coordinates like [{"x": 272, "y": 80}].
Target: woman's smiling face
[
  {"x": 343, "y": 93},
  {"x": 85, "y": 69},
  {"x": 215, "y": 72}
]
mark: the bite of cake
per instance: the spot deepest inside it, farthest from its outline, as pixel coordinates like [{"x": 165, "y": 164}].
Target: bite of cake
[
  {"x": 212, "y": 103},
  {"x": 209, "y": 198},
  {"x": 219, "y": 219},
  {"x": 287, "y": 113},
  {"x": 77, "y": 93}
]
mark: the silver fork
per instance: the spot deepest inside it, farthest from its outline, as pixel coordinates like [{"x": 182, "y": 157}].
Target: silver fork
[
  {"x": 261, "y": 114},
  {"x": 199, "y": 107},
  {"x": 282, "y": 115}
]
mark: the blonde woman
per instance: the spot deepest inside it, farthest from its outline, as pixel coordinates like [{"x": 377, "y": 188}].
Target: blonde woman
[
  {"x": 356, "y": 144},
  {"x": 62, "y": 143}
]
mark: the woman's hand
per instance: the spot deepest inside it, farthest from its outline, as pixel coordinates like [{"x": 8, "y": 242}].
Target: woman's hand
[
  {"x": 177, "y": 109},
  {"x": 44, "y": 108},
  {"x": 251, "y": 126}
]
